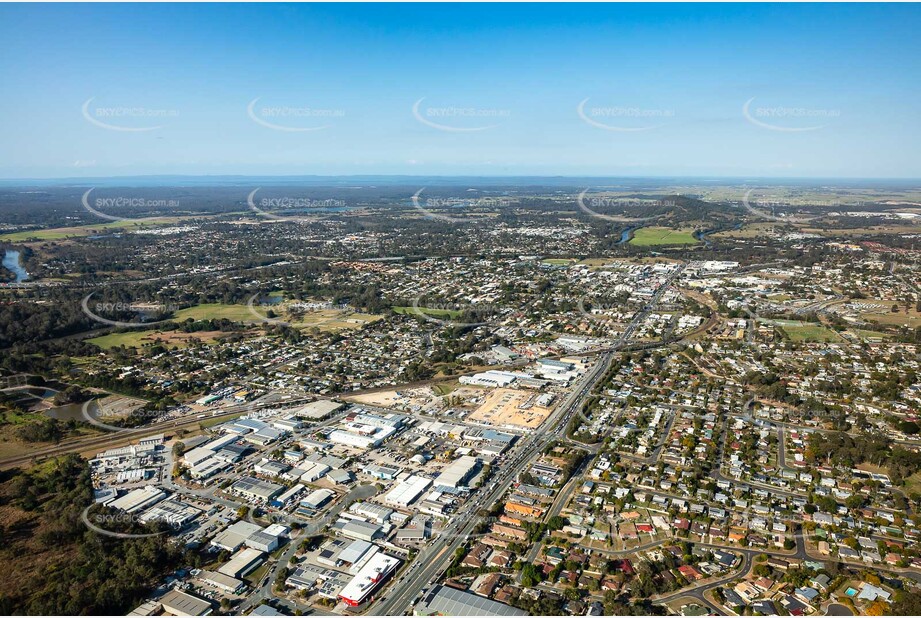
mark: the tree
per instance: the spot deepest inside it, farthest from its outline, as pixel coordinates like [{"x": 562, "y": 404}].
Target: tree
[
  {"x": 530, "y": 576},
  {"x": 906, "y": 604}
]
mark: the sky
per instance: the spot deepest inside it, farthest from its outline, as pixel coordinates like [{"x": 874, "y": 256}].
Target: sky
[{"x": 709, "y": 91}]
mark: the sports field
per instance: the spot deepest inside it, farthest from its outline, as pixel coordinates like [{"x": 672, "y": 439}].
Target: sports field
[
  {"x": 654, "y": 236},
  {"x": 805, "y": 332},
  {"x": 216, "y": 311}
]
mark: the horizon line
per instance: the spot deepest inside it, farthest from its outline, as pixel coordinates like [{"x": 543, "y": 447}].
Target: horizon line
[{"x": 698, "y": 177}]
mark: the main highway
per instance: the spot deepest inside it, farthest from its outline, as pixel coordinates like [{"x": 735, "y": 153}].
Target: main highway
[{"x": 434, "y": 559}]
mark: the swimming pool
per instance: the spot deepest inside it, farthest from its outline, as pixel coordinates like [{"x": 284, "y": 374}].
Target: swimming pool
[{"x": 850, "y": 592}]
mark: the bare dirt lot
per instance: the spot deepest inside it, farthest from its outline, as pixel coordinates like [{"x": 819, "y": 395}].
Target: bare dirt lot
[{"x": 507, "y": 406}]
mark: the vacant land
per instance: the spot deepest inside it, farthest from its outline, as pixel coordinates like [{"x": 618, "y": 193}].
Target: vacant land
[
  {"x": 59, "y": 233},
  {"x": 324, "y": 319},
  {"x": 885, "y": 315},
  {"x": 653, "y": 236},
  {"x": 384, "y": 399},
  {"x": 754, "y": 230},
  {"x": 872, "y": 230},
  {"x": 596, "y": 263},
  {"x": 137, "y": 339},
  {"x": 334, "y": 319},
  {"x": 445, "y": 388},
  {"x": 506, "y": 406},
  {"x": 913, "y": 483}
]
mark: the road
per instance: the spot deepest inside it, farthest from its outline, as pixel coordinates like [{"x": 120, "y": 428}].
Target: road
[
  {"x": 128, "y": 436},
  {"x": 123, "y": 438},
  {"x": 562, "y": 498},
  {"x": 837, "y": 609},
  {"x": 255, "y": 597},
  {"x": 698, "y": 592},
  {"x": 435, "y": 558}
]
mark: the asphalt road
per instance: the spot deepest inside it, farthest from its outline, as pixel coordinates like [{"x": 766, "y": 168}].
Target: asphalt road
[
  {"x": 128, "y": 436},
  {"x": 434, "y": 559},
  {"x": 561, "y": 500},
  {"x": 256, "y": 597},
  {"x": 837, "y": 609}
]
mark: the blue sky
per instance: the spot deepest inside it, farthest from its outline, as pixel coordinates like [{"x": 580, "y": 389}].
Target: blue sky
[{"x": 662, "y": 89}]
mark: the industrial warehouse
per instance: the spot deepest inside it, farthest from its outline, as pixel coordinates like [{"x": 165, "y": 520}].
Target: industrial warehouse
[{"x": 246, "y": 489}]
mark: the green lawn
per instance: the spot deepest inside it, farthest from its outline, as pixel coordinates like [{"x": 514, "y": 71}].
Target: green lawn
[
  {"x": 913, "y": 483},
  {"x": 811, "y": 333},
  {"x": 138, "y": 338},
  {"x": 653, "y": 236},
  {"x": 35, "y": 235},
  {"x": 444, "y": 388},
  {"x": 207, "y": 423},
  {"x": 130, "y": 339},
  {"x": 216, "y": 311},
  {"x": 866, "y": 334},
  {"x": 800, "y": 332}
]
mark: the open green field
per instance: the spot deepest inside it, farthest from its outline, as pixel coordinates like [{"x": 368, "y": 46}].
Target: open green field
[
  {"x": 333, "y": 319},
  {"x": 130, "y": 339},
  {"x": 441, "y": 313},
  {"x": 889, "y": 318},
  {"x": 60, "y": 233},
  {"x": 872, "y": 230},
  {"x": 207, "y": 423},
  {"x": 323, "y": 319},
  {"x": 913, "y": 483},
  {"x": 445, "y": 388},
  {"x": 869, "y": 334},
  {"x": 753, "y": 230},
  {"x": 138, "y": 338},
  {"x": 806, "y": 332},
  {"x": 216, "y": 311},
  {"x": 655, "y": 236},
  {"x": 35, "y": 235}
]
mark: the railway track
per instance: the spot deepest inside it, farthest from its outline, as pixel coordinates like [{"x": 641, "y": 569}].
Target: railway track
[{"x": 80, "y": 445}]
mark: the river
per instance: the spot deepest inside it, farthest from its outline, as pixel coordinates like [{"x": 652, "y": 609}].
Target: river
[
  {"x": 627, "y": 234},
  {"x": 11, "y": 261}
]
